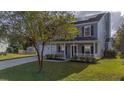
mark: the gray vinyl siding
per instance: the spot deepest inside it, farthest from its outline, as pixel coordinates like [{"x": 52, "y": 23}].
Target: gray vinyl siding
[{"x": 95, "y": 30}]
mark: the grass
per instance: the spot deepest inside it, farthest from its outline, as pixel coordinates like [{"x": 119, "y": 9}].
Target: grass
[
  {"x": 12, "y": 56},
  {"x": 105, "y": 69}
]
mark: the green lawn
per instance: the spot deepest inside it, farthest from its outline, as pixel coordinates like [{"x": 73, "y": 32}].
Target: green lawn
[
  {"x": 106, "y": 69},
  {"x": 11, "y": 56}
]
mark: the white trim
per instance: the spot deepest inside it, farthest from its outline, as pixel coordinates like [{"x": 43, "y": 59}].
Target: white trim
[
  {"x": 87, "y": 26},
  {"x": 94, "y": 48}
]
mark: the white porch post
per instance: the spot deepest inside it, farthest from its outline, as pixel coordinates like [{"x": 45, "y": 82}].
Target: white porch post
[
  {"x": 73, "y": 48},
  {"x": 94, "y": 49},
  {"x": 77, "y": 50}
]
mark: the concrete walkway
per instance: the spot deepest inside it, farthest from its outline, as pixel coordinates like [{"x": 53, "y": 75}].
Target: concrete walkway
[{"x": 13, "y": 62}]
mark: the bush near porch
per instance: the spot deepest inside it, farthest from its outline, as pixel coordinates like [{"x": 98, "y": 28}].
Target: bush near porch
[
  {"x": 84, "y": 59},
  {"x": 54, "y": 56},
  {"x": 110, "y": 54}
]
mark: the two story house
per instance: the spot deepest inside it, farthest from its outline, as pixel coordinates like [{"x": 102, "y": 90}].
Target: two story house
[{"x": 93, "y": 38}]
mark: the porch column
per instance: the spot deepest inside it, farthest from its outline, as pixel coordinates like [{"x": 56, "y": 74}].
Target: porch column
[
  {"x": 77, "y": 50},
  {"x": 94, "y": 49},
  {"x": 73, "y": 48}
]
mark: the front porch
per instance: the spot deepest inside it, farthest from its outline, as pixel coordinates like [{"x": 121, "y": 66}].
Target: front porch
[{"x": 78, "y": 49}]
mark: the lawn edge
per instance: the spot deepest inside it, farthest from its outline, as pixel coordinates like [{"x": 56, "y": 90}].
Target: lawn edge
[{"x": 16, "y": 58}]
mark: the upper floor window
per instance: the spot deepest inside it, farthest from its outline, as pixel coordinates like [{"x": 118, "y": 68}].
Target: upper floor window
[{"x": 87, "y": 31}]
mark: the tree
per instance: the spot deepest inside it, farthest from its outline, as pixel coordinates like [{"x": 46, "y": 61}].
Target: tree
[
  {"x": 119, "y": 39},
  {"x": 40, "y": 28}
]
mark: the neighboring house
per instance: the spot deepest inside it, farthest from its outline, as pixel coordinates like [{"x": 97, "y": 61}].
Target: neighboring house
[
  {"x": 30, "y": 50},
  {"x": 3, "y": 47},
  {"x": 93, "y": 38}
]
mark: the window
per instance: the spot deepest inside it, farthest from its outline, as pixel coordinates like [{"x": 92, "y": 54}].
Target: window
[
  {"x": 87, "y": 31},
  {"x": 60, "y": 48},
  {"x": 82, "y": 49},
  {"x": 87, "y": 49}
]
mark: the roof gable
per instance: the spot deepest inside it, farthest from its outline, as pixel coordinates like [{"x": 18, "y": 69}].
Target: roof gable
[{"x": 91, "y": 19}]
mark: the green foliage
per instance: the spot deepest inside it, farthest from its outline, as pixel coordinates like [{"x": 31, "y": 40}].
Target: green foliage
[
  {"x": 10, "y": 50},
  {"x": 119, "y": 39},
  {"x": 49, "y": 56},
  {"x": 121, "y": 54},
  {"x": 74, "y": 57},
  {"x": 84, "y": 59},
  {"x": 3, "y": 53},
  {"x": 14, "y": 48},
  {"x": 37, "y": 26},
  {"x": 110, "y": 54},
  {"x": 20, "y": 47},
  {"x": 54, "y": 56}
]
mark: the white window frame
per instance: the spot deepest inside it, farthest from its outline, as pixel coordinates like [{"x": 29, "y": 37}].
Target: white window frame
[
  {"x": 85, "y": 31},
  {"x": 85, "y": 49}
]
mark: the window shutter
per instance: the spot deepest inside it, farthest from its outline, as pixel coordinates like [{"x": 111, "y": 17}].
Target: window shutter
[
  {"x": 82, "y": 49},
  {"x": 92, "y": 49},
  {"x": 92, "y": 30},
  {"x": 83, "y": 31},
  {"x": 59, "y": 48}
]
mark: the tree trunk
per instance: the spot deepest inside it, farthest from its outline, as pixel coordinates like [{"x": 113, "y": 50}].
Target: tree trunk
[
  {"x": 38, "y": 55},
  {"x": 41, "y": 57}
]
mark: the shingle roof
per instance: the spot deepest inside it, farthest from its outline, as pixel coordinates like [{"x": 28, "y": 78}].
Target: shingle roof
[
  {"x": 84, "y": 38},
  {"x": 91, "y": 19}
]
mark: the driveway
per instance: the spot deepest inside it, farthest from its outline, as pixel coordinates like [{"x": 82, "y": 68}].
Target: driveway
[{"x": 13, "y": 62}]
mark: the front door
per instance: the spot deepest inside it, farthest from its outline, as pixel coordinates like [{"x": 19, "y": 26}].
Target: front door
[{"x": 73, "y": 50}]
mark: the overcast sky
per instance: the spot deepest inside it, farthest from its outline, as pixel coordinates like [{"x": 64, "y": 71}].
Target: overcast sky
[{"x": 117, "y": 18}]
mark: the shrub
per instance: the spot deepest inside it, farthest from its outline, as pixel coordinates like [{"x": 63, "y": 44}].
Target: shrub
[
  {"x": 121, "y": 55},
  {"x": 89, "y": 59},
  {"x": 84, "y": 59},
  {"x": 54, "y": 56},
  {"x": 20, "y": 47},
  {"x": 110, "y": 54},
  {"x": 3, "y": 53},
  {"x": 58, "y": 56},
  {"x": 49, "y": 56},
  {"x": 10, "y": 50},
  {"x": 74, "y": 57}
]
